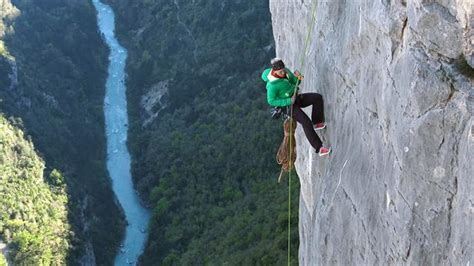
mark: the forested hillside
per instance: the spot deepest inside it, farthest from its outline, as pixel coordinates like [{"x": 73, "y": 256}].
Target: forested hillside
[
  {"x": 52, "y": 76},
  {"x": 33, "y": 211},
  {"x": 202, "y": 140}
]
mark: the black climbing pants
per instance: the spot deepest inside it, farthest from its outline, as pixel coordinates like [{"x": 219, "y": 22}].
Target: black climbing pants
[{"x": 317, "y": 116}]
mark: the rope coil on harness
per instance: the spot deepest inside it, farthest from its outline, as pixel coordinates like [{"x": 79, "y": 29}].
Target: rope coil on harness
[{"x": 283, "y": 157}]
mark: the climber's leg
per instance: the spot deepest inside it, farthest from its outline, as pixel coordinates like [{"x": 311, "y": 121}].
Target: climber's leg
[
  {"x": 316, "y": 100},
  {"x": 308, "y": 129}
]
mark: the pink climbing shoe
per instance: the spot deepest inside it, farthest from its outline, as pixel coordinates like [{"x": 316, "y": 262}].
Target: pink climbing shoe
[
  {"x": 324, "y": 151},
  {"x": 320, "y": 126}
]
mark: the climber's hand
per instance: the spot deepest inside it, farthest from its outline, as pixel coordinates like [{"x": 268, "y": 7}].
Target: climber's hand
[{"x": 298, "y": 75}]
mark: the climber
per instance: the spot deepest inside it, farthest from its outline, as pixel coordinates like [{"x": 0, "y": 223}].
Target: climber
[{"x": 281, "y": 83}]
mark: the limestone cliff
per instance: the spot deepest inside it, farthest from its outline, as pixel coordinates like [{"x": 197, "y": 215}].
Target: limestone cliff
[{"x": 397, "y": 78}]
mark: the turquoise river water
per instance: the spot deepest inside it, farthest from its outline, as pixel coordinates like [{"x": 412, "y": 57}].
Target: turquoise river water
[{"x": 118, "y": 157}]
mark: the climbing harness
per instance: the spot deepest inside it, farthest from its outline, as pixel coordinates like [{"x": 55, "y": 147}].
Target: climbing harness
[
  {"x": 277, "y": 111},
  {"x": 291, "y": 140}
]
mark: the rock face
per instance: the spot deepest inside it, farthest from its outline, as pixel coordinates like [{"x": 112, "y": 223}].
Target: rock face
[
  {"x": 154, "y": 101},
  {"x": 397, "y": 79}
]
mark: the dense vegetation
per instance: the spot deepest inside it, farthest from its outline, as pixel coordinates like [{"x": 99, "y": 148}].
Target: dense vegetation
[
  {"x": 3, "y": 260},
  {"x": 206, "y": 164},
  {"x": 61, "y": 62},
  {"x": 8, "y": 13},
  {"x": 33, "y": 211}
]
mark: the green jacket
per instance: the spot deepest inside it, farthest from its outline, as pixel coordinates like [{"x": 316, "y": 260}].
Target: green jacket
[{"x": 279, "y": 91}]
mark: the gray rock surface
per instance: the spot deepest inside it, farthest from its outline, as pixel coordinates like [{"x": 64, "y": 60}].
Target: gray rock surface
[
  {"x": 397, "y": 80},
  {"x": 154, "y": 101}
]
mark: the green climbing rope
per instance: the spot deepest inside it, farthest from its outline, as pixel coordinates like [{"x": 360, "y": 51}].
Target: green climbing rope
[{"x": 301, "y": 66}]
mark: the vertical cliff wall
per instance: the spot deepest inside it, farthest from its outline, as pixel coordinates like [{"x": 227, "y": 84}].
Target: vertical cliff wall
[{"x": 397, "y": 78}]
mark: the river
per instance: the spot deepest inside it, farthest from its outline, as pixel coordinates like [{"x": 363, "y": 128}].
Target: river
[{"x": 118, "y": 156}]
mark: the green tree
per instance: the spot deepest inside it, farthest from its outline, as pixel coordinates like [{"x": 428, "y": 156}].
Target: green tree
[{"x": 33, "y": 215}]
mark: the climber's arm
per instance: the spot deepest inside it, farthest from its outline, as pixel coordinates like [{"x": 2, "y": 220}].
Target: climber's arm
[
  {"x": 291, "y": 77},
  {"x": 274, "y": 100}
]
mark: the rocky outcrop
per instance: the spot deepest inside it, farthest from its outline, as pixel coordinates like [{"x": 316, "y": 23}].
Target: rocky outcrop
[
  {"x": 154, "y": 101},
  {"x": 397, "y": 79}
]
